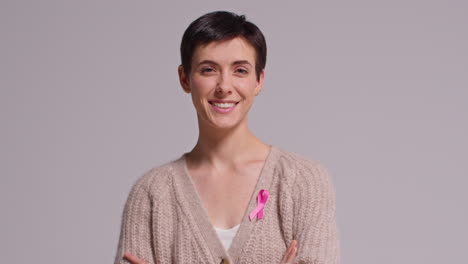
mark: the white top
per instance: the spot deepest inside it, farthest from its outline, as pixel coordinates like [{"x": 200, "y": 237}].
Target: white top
[{"x": 226, "y": 235}]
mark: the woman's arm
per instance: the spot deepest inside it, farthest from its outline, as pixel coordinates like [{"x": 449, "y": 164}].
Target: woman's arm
[
  {"x": 136, "y": 234},
  {"x": 315, "y": 217}
]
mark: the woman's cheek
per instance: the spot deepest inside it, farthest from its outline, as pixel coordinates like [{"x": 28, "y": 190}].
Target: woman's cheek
[
  {"x": 247, "y": 86},
  {"x": 205, "y": 80}
]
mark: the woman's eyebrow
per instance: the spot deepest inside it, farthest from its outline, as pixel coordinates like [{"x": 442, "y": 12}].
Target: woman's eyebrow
[
  {"x": 241, "y": 62},
  {"x": 207, "y": 62},
  {"x": 237, "y": 62}
]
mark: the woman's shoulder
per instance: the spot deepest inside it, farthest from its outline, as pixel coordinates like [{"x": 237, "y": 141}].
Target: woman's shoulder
[
  {"x": 311, "y": 180},
  {"x": 303, "y": 170},
  {"x": 299, "y": 162},
  {"x": 156, "y": 177}
]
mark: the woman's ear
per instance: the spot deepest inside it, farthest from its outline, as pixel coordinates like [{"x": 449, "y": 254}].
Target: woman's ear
[
  {"x": 183, "y": 79},
  {"x": 260, "y": 82}
]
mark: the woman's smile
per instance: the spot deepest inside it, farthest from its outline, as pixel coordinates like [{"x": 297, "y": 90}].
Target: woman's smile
[{"x": 223, "y": 108}]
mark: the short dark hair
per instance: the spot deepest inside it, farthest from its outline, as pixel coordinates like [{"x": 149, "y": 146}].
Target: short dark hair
[{"x": 222, "y": 25}]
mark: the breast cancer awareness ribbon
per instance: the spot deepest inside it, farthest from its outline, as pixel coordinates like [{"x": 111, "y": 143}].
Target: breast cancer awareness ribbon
[{"x": 262, "y": 198}]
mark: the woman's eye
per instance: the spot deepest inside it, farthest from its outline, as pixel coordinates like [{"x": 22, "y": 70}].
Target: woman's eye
[{"x": 207, "y": 70}]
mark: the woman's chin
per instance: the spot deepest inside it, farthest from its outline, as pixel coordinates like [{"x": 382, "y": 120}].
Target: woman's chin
[{"x": 225, "y": 124}]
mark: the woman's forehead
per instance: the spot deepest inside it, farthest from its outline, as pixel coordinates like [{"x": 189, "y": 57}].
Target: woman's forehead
[{"x": 236, "y": 49}]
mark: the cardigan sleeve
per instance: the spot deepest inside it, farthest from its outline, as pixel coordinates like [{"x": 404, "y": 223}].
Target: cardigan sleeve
[
  {"x": 135, "y": 232},
  {"x": 315, "y": 224}
]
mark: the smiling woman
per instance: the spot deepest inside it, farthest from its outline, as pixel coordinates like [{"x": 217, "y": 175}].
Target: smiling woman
[
  {"x": 223, "y": 81},
  {"x": 232, "y": 198}
]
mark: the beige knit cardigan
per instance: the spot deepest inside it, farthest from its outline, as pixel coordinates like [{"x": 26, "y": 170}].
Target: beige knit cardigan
[{"x": 164, "y": 220}]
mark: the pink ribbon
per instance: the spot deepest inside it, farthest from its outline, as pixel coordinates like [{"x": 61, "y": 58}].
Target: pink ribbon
[{"x": 262, "y": 198}]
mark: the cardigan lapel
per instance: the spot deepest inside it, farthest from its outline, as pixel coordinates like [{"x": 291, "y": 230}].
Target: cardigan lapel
[{"x": 195, "y": 207}]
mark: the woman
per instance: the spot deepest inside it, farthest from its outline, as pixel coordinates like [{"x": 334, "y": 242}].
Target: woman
[{"x": 232, "y": 198}]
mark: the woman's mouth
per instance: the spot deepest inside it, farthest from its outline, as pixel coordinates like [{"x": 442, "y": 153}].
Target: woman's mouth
[{"x": 223, "y": 107}]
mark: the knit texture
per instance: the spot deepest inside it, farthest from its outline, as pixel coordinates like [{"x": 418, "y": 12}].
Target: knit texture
[{"x": 164, "y": 221}]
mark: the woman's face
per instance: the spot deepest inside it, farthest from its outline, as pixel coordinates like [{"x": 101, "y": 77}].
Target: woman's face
[{"x": 223, "y": 71}]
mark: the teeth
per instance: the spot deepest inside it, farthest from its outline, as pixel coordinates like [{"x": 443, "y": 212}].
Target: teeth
[{"x": 224, "y": 105}]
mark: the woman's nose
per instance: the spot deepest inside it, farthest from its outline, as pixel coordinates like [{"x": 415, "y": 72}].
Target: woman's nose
[{"x": 224, "y": 84}]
